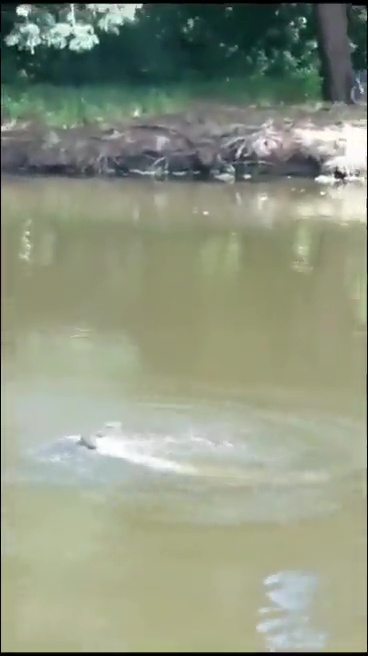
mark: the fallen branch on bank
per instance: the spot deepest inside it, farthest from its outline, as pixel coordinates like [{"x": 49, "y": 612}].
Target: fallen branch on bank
[{"x": 194, "y": 146}]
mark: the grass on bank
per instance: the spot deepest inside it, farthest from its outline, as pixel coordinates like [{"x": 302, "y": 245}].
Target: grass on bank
[{"x": 67, "y": 106}]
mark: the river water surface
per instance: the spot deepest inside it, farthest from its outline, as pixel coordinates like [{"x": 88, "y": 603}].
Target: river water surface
[{"x": 225, "y": 328}]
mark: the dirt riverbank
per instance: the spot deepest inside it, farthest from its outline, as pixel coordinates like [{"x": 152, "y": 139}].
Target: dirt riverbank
[{"x": 209, "y": 142}]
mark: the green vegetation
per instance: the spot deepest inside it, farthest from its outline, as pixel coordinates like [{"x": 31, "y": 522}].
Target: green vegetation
[
  {"x": 166, "y": 55},
  {"x": 67, "y": 106}
]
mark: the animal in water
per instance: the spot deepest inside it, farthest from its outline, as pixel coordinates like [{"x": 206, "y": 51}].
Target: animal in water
[
  {"x": 251, "y": 476},
  {"x": 91, "y": 441}
]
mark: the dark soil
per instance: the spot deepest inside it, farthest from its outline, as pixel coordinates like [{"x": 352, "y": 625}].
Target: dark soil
[{"x": 210, "y": 142}]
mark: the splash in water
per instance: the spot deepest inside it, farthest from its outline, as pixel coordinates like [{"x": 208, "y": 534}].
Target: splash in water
[{"x": 112, "y": 442}]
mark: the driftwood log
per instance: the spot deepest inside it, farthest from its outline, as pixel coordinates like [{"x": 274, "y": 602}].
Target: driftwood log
[{"x": 208, "y": 143}]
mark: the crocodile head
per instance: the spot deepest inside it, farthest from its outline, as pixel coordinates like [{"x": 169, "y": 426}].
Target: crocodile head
[
  {"x": 91, "y": 441},
  {"x": 88, "y": 441}
]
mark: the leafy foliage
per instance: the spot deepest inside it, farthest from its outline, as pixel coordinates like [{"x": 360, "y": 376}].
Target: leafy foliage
[
  {"x": 64, "y": 25},
  {"x": 160, "y": 43}
]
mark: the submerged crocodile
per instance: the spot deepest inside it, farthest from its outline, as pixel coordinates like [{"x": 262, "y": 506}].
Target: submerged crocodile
[{"x": 249, "y": 476}]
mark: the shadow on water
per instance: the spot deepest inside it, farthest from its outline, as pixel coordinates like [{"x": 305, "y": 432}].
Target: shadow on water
[{"x": 226, "y": 328}]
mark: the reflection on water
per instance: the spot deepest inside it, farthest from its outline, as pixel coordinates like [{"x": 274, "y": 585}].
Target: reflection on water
[
  {"x": 225, "y": 327},
  {"x": 289, "y": 628},
  {"x": 249, "y": 306}
]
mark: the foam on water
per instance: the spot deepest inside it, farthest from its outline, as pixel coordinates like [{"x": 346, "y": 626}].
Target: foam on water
[
  {"x": 127, "y": 449},
  {"x": 227, "y": 469},
  {"x": 110, "y": 446},
  {"x": 271, "y": 450}
]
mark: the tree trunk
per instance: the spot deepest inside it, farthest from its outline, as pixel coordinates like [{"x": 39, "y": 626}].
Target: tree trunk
[{"x": 335, "y": 53}]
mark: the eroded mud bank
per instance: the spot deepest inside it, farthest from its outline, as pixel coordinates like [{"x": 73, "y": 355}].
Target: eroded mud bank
[{"x": 207, "y": 143}]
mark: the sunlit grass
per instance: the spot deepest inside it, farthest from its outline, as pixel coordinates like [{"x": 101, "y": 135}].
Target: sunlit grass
[{"x": 72, "y": 106}]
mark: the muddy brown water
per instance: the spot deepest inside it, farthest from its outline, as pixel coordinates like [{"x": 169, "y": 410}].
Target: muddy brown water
[{"x": 225, "y": 327}]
